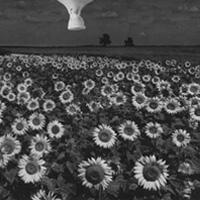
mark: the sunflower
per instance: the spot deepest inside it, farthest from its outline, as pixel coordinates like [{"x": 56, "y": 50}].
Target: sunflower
[
  {"x": 137, "y": 87},
  {"x": 66, "y": 96},
  {"x": 151, "y": 173},
  {"x": 90, "y": 84},
  {"x": 172, "y": 106},
  {"x": 194, "y": 88},
  {"x": 153, "y": 130},
  {"x": 40, "y": 145},
  {"x": 195, "y": 112},
  {"x": 43, "y": 195},
  {"x": 72, "y": 109},
  {"x": 95, "y": 173},
  {"x": 181, "y": 138},
  {"x": 33, "y": 104},
  {"x": 154, "y": 105},
  {"x": 104, "y": 136},
  {"x": 20, "y": 126},
  {"x": 59, "y": 86},
  {"x": 55, "y": 129},
  {"x": 129, "y": 130},
  {"x": 118, "y": 98},
  {"x": 28, "y": 82},
  {"x": 23, "y": 97},
  {"x": 11, "y": 96},
  {"x": 31, "y": 169},
  {"x": 139, "y": 100},
  {"x": 94, "y": 106},
  {"x": 9, "y": 145},
  {"x": 107, "y": 90},
  {"x": 36, "y": 121},
  {"x": 49, "y": 105},
  {"x": 183, "y": 89},
  {"x": 21, "y": 87},
  {"x": 186, "y": 168}
]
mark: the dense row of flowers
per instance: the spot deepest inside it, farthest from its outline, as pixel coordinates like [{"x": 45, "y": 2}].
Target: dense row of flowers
[{"x": 90, "y": 128}]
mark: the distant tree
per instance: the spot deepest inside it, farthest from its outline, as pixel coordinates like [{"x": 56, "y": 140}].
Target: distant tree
[
  {"x": 129, "y": 42},
  {"x": 105, "y": 40}
]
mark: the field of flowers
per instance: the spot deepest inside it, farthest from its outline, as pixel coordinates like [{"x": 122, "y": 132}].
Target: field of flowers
[{"x": 98, "y": 128}]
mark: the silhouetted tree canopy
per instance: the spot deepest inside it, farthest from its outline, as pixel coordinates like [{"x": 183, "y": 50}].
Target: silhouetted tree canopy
[
  {"x": 105, "y": 40},
  {"x": 129, "y": 42}
]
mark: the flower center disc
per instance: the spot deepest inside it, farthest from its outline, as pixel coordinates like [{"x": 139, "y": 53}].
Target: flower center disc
[
  {"x": 151, "y": 173},
  {"x": 19, "y": 126},
  {"x": 153, "y": 129},
  {"x": 39, "y": 146},
  {"x": 171, "y": 106},
  {"x": 31, "y": 168},
  {"x": 128, "y": 130},
  {"x": 94, "y": 174},
  {"x": 139, "y": 100},
  {"x": 105, "y": 136},
  {"x": 66, "y": 95},
  {"x": 8, "y": 147},
  {"x": 197, "y": 111},
  {"x": 153, "y": 105},
  {"x": 36, "y": 121},
  {"x": 55, "y": 129},
  {"x": 180, "y": 138}
]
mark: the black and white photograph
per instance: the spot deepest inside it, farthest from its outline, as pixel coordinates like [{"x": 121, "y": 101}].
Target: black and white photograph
[{"x": 99, "y": 100}]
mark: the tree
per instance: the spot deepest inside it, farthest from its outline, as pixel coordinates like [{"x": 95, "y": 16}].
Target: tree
[
  {"x": 129, "y": 42},
  {"x": 105, "y": 40}
]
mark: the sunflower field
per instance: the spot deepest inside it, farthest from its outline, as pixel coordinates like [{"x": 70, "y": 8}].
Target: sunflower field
[{"x": 98, "y": 128}]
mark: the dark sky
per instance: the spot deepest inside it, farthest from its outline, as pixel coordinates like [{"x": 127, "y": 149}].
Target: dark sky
[{"x": 149, "y": 22}]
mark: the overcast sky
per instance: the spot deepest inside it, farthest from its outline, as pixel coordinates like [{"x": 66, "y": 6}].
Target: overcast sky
[{"x": 149, "y": 22}]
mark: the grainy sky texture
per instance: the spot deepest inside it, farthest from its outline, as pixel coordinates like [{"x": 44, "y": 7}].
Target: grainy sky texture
[{"x": 149, "y": 22}]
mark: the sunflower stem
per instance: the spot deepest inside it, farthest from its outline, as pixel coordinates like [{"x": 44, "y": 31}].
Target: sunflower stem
[{"x": 100, "y": 192}]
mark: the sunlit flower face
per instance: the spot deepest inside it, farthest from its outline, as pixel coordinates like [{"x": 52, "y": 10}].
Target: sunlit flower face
[
  {"x": 9, "y": 145},
  {"x": 195, "y": 112},
  {"x": 139, "y": 100},
  {"x": 172, "y": 106},
  {"x": 107, "y": 90},
  {"x": 90, "y": 84},
  {"x": 194, "y": 89},
  {"x": 129, "y": 130},
  {"x": 104, "y": 136},
  {"x": 55, "y": 129},
  {"x": 49, "y": 105},
  {"x": 36, "y": 121},
  {"x": 31, "y": 169},
  {"x": 153, "y": 130},
  {"x": 33, "y": 104},
  {"x": 151, "y": 173},
  {"x": 20, "y": 126},
  {"x": 154, "y": 105},
  {"x": 181, "y": 138},
  {"x": 40, "y": 145},
  {"x": 137, "y": 87},
  {"x": 59, "y": 86},
  {"x": 95, "y": 173},
  {"x": 66, "y": 96}
]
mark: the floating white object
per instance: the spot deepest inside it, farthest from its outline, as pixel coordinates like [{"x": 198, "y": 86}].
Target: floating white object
[{"x": 74, "y": 8}]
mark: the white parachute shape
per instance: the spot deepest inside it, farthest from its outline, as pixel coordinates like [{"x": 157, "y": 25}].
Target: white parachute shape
[{"x": 74, "y": 8}]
